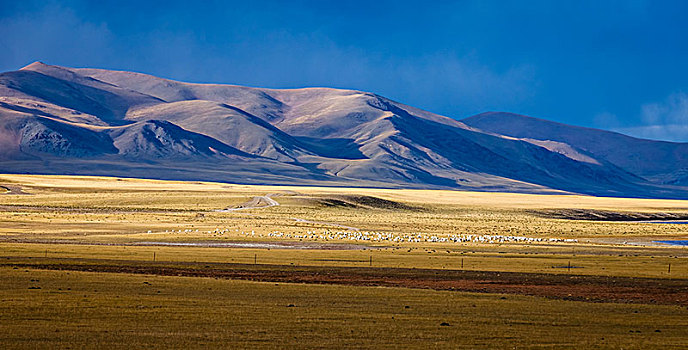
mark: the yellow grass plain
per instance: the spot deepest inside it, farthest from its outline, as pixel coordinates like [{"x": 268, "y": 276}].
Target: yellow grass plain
[{"x": 98, "y": 220}]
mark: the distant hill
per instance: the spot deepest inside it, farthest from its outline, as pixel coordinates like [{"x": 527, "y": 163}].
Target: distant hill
[
  {"x": 58, "y": 120},
  {"x": 657, "y": 161}
]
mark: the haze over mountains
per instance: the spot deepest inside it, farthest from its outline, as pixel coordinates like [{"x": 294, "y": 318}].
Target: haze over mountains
[{"x": 58, "y": 120}]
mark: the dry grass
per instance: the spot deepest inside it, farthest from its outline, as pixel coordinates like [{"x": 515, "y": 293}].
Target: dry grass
[
  {"x": 587, "y": 260},
  {"x": 109, "y": 208},
  {"x": 102, "y": 217},
  {"x": 91, "y": 310}
]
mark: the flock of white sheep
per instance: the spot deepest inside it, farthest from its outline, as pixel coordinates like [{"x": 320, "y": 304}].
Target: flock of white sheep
[
  {"x": 366, "y": 236},
  {"x": 412, "y": 237}
]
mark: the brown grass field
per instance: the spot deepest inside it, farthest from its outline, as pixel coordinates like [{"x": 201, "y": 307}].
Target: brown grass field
[{"x": 95, "y": 262}]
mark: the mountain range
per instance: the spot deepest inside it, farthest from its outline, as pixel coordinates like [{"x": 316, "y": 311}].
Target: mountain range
[{"x": 80, "y": 121}]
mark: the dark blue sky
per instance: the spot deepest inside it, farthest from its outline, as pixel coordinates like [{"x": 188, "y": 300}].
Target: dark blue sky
[{"x": 611, "y": 64}]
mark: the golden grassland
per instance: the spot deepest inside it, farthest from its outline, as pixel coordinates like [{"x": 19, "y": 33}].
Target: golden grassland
[
  {"x": 129, "y": 311},
  {"x": 83, "y": 220},
  {"x": 586, "y": 260},
  {"x": 90, "y": 310},
  {"x": 111, "y": 208}
]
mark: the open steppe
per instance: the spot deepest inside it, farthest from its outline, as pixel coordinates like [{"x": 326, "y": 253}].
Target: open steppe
[{"x": 117, "y": 262}]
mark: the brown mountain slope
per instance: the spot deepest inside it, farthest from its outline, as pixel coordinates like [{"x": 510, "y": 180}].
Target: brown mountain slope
[{"x": 118, "y": 121}]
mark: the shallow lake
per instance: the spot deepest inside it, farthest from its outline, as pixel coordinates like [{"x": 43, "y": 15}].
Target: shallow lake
[{"x": 683, "y": 242}]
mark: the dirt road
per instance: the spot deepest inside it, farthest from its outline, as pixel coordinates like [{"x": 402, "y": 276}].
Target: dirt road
[
  {"x": 12, "y": 189},
  {"x": 257, "y": 202}
]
